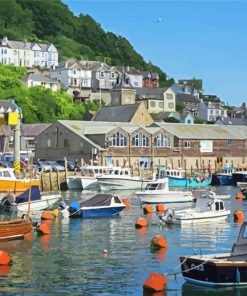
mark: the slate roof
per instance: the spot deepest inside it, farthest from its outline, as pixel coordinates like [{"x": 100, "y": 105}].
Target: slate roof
[
  {"x": 232, "y": 121},
  {"x": 129, "y": 70},
  {"x": 186, "y": 98},
  {"x": 150, "y": 93},
  {"x": 8, "y": 106},
  {"x": 33, "y": 129},
  {"x": 122, "y": 113},
  {"x": 204, "y": 131},
  {"x": 38, "y": 77}
]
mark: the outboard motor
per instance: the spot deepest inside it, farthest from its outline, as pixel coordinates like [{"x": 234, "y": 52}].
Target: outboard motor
[
  {"x": 7, "y": 201},
  {"x": 167, "y": 216}
]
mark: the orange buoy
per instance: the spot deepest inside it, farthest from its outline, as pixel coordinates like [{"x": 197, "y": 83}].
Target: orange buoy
[
  {"x": 148, "y": 209},
  {"x": 239, "y": 196},
  {"x": 160, "y": 208},
  {"x": 43, "y": 229},
  {"x": 141, "y": 222},
  {"x": 126, "y": 201},
  {"x": 158, "y": 242},
  {"x": 47, "y": 215},
  {"x": 4, "y": 258},
  {"x": 155, "y": 282},
  {"x": 238, "y": 216}
]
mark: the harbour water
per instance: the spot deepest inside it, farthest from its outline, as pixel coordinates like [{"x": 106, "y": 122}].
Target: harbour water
[{"x": 71, "y": 261}]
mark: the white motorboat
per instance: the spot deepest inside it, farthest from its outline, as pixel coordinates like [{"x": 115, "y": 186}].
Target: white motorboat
[
  {"x": 38, "y": 201},
  {"x": 157, "y": 191},
  {"x": 87, "y": 179},
  {"x": 205, "y": 210},
  {"x": 121, "y": 178}
]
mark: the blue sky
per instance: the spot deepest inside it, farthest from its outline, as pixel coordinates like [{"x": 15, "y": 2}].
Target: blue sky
[{"x": 186, "y": 39}]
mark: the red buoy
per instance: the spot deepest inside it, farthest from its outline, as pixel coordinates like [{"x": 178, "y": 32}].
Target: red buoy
[
  {"x": 155, "y": 282},
  {"x": 46, "y": 215},
  {"x": 4, "y": 258},
  {"x": 141, "y": 222},
  {"x": 43, "y": 229},
  {"x": 158, "y": 242}
]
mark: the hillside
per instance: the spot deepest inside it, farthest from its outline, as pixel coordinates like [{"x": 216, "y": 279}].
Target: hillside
[{"x": 78, "y": 37}]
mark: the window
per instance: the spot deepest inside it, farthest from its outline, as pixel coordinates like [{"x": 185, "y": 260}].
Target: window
[
  {"x": 112, "y": 74},
  {"x": 101, "y": 74},
  {"x": 187, "y": 144},
  {"x": 222, "y": 113},
  {"x": 140, "y": 140},
  {"x": 65, "y": 143},
  {"x": 229, "y": 143},
  {"x": 152, "y": 104},
  {"x": 162, "y": 141},
  {"x": 170, "y": 105},
  {"x": 161, "y": 105},
  {"x": 117, "y": 140},
  {"x": 169, "y": 96}
]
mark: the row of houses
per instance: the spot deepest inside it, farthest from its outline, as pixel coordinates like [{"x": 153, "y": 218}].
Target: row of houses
[{"x": 28, "y": 54}]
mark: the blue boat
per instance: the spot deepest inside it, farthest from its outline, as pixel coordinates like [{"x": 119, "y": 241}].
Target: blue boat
[
  {"x": 100, "y": 205},
  {"x": 224, "y": 175},
  {"x": 176, "y": 179}
]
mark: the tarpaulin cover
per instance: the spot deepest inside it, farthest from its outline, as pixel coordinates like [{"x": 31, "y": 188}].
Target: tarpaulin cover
[
  {"x": 23, "y": 197},
  {"x": 97, "y": 200}
]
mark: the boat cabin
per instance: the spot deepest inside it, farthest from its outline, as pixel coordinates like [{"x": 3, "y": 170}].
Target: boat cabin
[
  {"x": 239, "y": 249},
  {"x": 118, "y": 171},
  {"x": 94, "y": 171},
  {"x": 176, "y": 173},
  {"x": 160, "y": 184},
  {"x": 226, "y": 170},
  {"x": 204, "y": 204},
  {"x": 7, "y": 173}
]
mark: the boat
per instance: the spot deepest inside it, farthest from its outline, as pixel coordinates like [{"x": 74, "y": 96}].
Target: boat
[
  {"x": 9, "y": 181},
  {"x": 100, "y": 205},
  {"x": 223, "y": 176},
  {"x": 177, "y": 178},
  {"x": 15, "y": 229},
  {"x": 243, "y": 189},
  {"x": 121, "y": 178},
  {"x": 219, "y": 270},
  {"x": 87, "y": 179},
  {"x": 206, "y": 209},
  {"x": 240, "y": 175},
  {"x": 157, "y": 191},
  {"x": 38, "y": 201},
  {"x": 212, "y": 194}
]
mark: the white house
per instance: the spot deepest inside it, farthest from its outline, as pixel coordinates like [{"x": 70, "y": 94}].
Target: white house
[
  {"x": 27, "y": 54},
  {"x": 212, "y": 111},
  {"x": 36, "y": 79}
]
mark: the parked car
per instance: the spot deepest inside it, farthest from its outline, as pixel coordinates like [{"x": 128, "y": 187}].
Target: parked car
[
  {"x": 70, "y": 164},
  {"x": 55, "y": 166},
  {"x": 43, "y": 165}
]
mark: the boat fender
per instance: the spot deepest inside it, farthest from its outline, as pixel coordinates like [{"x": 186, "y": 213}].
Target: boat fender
[
  {"x": 237, "y": 276},
  {"x": 75, "y": 205}
]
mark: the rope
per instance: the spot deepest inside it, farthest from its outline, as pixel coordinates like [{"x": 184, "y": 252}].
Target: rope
[{"x": 179, "y": 272}]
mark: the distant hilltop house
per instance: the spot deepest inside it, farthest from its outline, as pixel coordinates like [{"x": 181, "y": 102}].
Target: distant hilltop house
[
  {"x": 28, "y": 54},
  {"x": 191, "y": 86},
  {"x": 150, "y": 80},
  {"x": 238, "y": 112},
  {"x": 212, "y": 111}
]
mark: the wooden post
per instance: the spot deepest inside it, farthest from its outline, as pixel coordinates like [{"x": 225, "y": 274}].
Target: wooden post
[
  {"x": 58, "y": 181},
  {"x": 66, "y": 167},
  {"x": 50, "y": 177},
  {"x": 42, "y": 180}
]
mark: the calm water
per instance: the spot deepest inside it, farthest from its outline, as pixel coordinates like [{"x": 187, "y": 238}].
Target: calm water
[{"x": 70, "y": 261}]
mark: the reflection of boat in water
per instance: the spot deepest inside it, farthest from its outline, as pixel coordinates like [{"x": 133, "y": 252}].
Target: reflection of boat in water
[
  {"x": 222, "y": 269},
  {"x": 157, "y": 191},
  {"x": 205, "y": 210}
]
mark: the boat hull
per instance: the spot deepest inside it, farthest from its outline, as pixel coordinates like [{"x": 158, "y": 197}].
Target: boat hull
[
  {"x": 188, "y": 182},
  {"x": 82, "y": 183},
  {"x": 216, "y": 274},
  {"x": 239, "y": 177},
  {"x": 118, "y": 183},
  {"x": 46, "y": 202},
  {"x": 18, "y": 185},
  {"x": 169, "y": 197},
  {"x": 100, "y": 212},
  {"x": 200, "y": 219},
  {"x": 14, "y": 229},
  {"x": 225, "y": 179}
]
